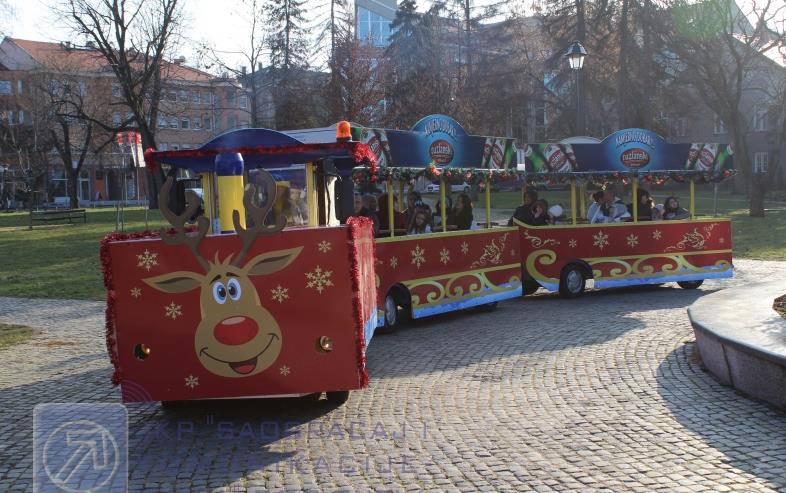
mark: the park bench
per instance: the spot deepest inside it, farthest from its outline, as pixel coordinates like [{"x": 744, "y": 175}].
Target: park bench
[{"x": 58, "y": 214}]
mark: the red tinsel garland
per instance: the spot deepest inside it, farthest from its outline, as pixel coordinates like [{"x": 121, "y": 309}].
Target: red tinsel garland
[
  {"x": 111, "y": 296},
  {"x": 356, "y": 226},
  {"x": 359, "y": 152}
]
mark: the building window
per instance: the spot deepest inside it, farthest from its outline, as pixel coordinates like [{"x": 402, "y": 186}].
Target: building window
[
  {"x": 174, "y": 147},
  {"x": 115, "y": 91},
  {"x": 163, "y": 146},
  {"x": 372, "y": 27},
  {"x": 231, "y": 122},
  {"x": 183, "y": 96},
  {"x": 195, "y": 97},
  {"x": 173, "y": 122},
  {"x": 196, "y": 123},
  {"x": 185, "y": 146},
  {"x": 760, "y": 162},
  {"x": 244, "y": 101},
  {"x": 130, "y": 120},
  {"x": 5, "y": 87},
  {"x": 231, "y": 98},
  {"x": 116, "y": 119},
  {"x": 172, "y": 95},
  {"x": 208, "y": 123},
  {"x": 19, "y": 87},
  {"x": 22, "y": 117},
  {"x": 206, "y": 98},
  {"x": 11, "y": 117},
  {"x": 184, "y": 122},
  {"x": 162, "y": 123},
  {"x": 760, "y": 117},
  {"x": 720, "y": 126}
]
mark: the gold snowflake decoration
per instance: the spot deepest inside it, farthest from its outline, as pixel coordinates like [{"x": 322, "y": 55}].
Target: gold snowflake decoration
[
  {"x": 444, "y": 256},
  {"x": 279, "y": 294},
  {"x": 656, "y": 234},
  {"x": 324, "y": 246},
  {"x": 136, "y": 292},
  {"x": 633, "y": 240},
  {"x": 147, "y": 259},
  {"x": 513, "y": 253},
  {"x": 721, "y": 240},
  {"x": 601, "y": 239},
  {"x": 417, "y": 256},
  {"x": 393, "y": 262},
  {"x": 191, "y": 381},
  {"x": 319, "y": 279},
  {"x": 284, "y": 370},
  {"x": 173, "y": 311},
  {"x": 572, "y": 243},
  {"x": 464, "y": 247}
]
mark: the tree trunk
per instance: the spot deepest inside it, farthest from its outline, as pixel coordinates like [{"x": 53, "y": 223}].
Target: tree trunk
[
  {"x": 758, "y": 189},
  {"x": 73, "y": 187}
]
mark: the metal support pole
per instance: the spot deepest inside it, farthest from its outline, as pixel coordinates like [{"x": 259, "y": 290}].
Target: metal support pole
[
  {"x": 391, "y": 216},
  {"x": 488, "y": 201},
  {"x": 579, "y": 130},
  {"x": 692, "y": 199},
  {"x": 583, "y": 200},
  {"x": 401, "y": 196},
  {"x": 573, "y": 201},
  {"x": 715, "y": 199},
  {"x": 442, "y": 211},
  {"x": 635, "y": 199}
]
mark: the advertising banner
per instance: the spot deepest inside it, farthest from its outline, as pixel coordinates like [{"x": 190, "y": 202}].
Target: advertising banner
[
  {"x": 632, "y": 149},
  {"x": 437, "y": 139}
]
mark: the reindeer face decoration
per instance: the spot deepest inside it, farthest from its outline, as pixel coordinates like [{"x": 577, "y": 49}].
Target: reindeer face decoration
[{"x": 236, "y": 336}]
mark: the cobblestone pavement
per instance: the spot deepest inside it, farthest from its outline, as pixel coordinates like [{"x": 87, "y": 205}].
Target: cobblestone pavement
[{"x": 600, "y": 393}]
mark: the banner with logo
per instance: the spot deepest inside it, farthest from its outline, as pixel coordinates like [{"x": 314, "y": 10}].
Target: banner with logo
[
  {"x": 627, "y": 150},
  {"x": 438, "y": 139}
]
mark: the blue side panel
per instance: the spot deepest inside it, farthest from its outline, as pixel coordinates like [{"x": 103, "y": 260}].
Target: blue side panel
[
  {"x": 491, "y": 297},
  {"x": 656, "y": 280},
  {"x": 371, "y": 325}
]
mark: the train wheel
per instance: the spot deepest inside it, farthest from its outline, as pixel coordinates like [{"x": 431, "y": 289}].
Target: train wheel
[
  {"x": 391, "y": 314},
  {"x": 530, "y": 287},
  {"x": 337, "y": 398},
  {"x": 572, "y": 281},
  {"x": 690, "y": 284}
]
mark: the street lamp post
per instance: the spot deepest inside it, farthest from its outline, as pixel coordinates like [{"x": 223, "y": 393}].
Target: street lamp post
[{"x": 575, "y": 55}]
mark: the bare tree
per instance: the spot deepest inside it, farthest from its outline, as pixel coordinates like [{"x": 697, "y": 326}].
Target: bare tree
[
  {"x": 134, "y": 36},
  {"x": 722, "y": 52}
]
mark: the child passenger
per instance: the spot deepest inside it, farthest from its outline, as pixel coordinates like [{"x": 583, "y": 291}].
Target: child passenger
[
  {"x": 672, "y": 209},
  {"x": 419, "y": 224}
]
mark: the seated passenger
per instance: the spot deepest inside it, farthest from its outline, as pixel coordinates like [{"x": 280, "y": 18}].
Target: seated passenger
[
  {"x": 672, "y": 209},
  {"x": 646, "y": 210},
  {"x": 614, "y": 208},
  {"x": 419, "y": 224},
  {"x": 413, "y": 197},
  {"x": 462, "y": 214},
  {"x": 436, "y": 217},
  {"x": 557, "y": 214},
  {"x": 523, "y": 212},
  {"x": 595, "y": 213},
  {"x": 399, "y": 220},
  {"x": 369, "y": 210},
  {"x": 540, "y": 213}
]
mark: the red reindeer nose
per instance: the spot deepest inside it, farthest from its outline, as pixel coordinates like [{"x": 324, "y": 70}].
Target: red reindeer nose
[{"x": 234, "y": 331}]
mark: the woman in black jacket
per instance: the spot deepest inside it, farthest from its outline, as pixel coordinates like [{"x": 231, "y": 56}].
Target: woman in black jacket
[{"x": 462, "y": 214}]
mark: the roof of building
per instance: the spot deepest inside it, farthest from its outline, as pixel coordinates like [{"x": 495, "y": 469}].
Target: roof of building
[{"x": 91, "y": 60}]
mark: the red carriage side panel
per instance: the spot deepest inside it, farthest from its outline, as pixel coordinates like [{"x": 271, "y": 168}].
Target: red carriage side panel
[
  {"x": 625, "y": 254},
  {"x": 450, "y": 271},
  {"x": 173, "y": 334}
]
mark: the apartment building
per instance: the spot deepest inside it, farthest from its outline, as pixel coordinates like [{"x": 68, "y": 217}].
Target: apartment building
[{"x": 195, "y": 106}]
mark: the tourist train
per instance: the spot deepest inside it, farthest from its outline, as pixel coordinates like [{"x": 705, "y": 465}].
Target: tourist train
[{"x": 268, "y": 284}]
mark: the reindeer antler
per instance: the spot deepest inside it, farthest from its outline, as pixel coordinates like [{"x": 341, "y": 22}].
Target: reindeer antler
[
  {"x": 258, "y": 214},
  {"x": 178, "y": 222}
]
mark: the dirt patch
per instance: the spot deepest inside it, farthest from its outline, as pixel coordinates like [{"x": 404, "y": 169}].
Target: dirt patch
[
  {"x": 58, "y": 343},
  {"x": 779, "y": 305}
]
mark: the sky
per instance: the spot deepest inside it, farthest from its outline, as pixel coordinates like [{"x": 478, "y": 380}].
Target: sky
[{"x": 217, "y": 22}]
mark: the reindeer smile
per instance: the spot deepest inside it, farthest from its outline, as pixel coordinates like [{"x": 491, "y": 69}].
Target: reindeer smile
[{"x": 242, "y": 367}]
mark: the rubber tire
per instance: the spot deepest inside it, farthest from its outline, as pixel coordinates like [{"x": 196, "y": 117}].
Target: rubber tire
[
  {"x": 338, "y": 397},
  {"x": 690, "y": 284},
  {"x": 569, "y": 285},
  {"x": 390, "y": 327},
  {"x": 529, "y": 287}
]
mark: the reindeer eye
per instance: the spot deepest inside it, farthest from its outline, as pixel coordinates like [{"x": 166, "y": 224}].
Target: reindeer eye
[
  {"x": 219, "y": 293},
  {"x": 233, "y": 286}
]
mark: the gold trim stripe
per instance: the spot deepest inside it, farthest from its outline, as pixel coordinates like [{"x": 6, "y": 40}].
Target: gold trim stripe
[
  {"x": 654, "y": 255},
  {"x": 439, "y": 234},
  {"x": 465, "y": 273},
  {"x": 628, "y": 224}
]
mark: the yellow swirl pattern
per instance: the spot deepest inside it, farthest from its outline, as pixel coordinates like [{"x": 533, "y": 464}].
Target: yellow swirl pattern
[{"x": 444, "y": 289}]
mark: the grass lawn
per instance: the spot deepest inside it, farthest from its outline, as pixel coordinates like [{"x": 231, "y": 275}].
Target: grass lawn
[
  {"x": 14, "y": 334},
  {"x": 61, "y": 260}
]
